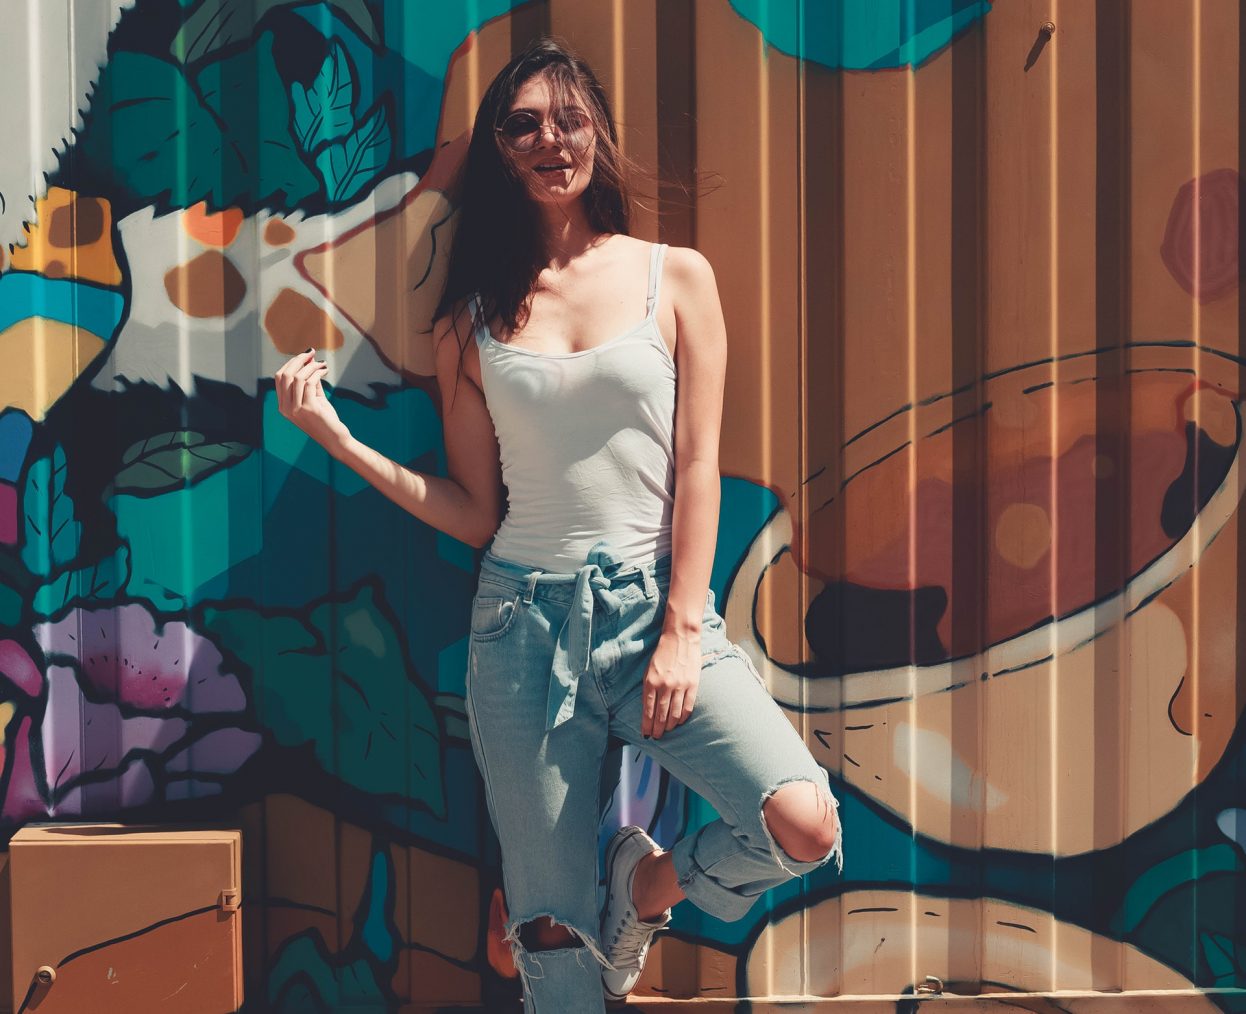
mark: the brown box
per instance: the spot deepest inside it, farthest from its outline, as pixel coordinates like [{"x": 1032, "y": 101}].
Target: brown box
[{"x": 112, "y": 918}]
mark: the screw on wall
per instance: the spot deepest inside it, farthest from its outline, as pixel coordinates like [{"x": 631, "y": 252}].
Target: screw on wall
[{"x": 1045, "y": 31}]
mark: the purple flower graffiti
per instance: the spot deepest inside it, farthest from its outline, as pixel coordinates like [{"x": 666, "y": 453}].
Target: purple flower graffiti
[
  {"x": 126, "y": 660},
  {"x": 133, "y": 712}
]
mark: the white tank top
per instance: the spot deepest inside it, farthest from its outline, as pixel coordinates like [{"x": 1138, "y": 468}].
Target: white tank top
[{"x": 587, "y": 443}]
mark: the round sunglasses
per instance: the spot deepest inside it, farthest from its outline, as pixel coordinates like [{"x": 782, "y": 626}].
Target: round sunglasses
[{"x": 521, "y": 131}]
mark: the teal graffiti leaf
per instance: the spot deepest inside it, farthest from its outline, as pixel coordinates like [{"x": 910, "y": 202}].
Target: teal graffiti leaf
[
  {"x": 225, "y": 139},
  {"x": 322, "y": 113},
  {"x": 346, "y": 167},
  {"x": 246, "y": 93},
  {"x": 340, "y": 682},
  {"x": 10, "y": 606},
  {"x": 173, "y": 460},
  {"x": 220, "y": 23},
  {"x": 97, "y": 582},
  {"x": 862, "y": 34},
  {"x": 304, "y": 976},
  {"x": 1218, "y": 950},
  {"x": 51, "y": 534},
  {"x": 1149, "y": 888},
  {"x": 150, "y": 133}
]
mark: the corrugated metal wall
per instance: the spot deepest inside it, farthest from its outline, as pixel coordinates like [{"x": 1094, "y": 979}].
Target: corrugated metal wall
[{"x": 980, "y": 265}]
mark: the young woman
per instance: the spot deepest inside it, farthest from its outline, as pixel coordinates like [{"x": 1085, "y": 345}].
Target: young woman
[{"x": 585, "y": 369}]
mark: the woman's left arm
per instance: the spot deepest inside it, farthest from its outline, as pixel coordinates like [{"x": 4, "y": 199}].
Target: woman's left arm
[{"x": 701, "y": 363}]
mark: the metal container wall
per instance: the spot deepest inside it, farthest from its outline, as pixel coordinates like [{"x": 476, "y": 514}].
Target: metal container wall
[{"x": 980, "y": 266}]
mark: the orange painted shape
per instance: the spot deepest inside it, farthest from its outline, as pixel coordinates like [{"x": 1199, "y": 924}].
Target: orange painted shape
[
  {"x": 71, "y": 238},
  {"x": 215, "y": 228},
  {"x": 497, "y": 950},
  {"x": 293, "y": 322},
  {"x": 277, "y": 233},
  {"x": 207, "y": 286}
]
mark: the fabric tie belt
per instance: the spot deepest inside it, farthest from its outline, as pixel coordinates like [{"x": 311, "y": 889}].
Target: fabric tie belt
[{"x": 575, "y": 640}]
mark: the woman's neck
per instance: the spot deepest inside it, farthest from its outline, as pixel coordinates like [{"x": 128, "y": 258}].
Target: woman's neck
[{"x": 567, "y": 232}]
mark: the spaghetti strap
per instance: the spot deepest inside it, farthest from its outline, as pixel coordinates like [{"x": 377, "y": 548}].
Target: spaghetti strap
[
  {"x": 481, "y": 329},
  {"x": 655, "y": 277}
]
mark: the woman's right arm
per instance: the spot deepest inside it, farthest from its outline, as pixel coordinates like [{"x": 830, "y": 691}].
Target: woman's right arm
[{"x": 465, "y": 505}]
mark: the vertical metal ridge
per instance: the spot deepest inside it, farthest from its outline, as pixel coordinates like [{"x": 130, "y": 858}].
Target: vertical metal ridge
[
  {"x": 911, "y": 398},
  {"x": 676, "y": 114},
  {"x": 1112, "y": 416},
  {"x": 1053, "y": 450},
  {"x": 1239, "y": 652},
  {"x": 528, "y": 21},
  {"x": 968, "y": 579}
]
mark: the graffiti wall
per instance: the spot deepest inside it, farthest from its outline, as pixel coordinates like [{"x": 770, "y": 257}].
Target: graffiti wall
[{"x": 981, "y": 472}]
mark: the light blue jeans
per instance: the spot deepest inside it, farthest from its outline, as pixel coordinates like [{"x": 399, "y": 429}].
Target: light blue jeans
[{"x": 555, "y": 666}]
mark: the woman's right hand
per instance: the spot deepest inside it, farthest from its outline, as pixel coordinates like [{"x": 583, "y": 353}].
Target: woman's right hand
[{"x": 301, "y": 400}]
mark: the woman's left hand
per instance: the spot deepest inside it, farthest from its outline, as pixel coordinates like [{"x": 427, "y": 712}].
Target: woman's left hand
[{"x": 670, "y": 687}]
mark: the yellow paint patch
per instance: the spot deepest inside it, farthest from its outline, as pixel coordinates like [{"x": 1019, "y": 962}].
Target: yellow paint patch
[
  {"x": 1023, "y": 534},
  {"x": 42, "y": 358},
  {"x": 71, "y": 238}
]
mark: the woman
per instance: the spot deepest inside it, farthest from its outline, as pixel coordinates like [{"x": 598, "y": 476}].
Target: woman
[{"x": 558, "y": 345}]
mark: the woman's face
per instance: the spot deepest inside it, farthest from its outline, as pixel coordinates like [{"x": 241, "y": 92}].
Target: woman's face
[{"x": 559, "y": 164}]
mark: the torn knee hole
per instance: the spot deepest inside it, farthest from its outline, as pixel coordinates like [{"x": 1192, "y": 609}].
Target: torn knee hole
[
  {"x": 544, "y": 934},
  {"x": 803, "y": 840}
]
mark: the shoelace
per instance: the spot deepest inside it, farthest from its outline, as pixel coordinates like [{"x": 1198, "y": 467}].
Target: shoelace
[{"x": 633, "y": 937}]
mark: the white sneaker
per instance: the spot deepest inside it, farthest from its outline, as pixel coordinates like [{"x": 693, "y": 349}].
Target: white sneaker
[{"x": 625, "y": 937}]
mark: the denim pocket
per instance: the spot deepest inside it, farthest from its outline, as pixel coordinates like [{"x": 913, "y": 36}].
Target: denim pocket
[{"x": 492, "y": 616}]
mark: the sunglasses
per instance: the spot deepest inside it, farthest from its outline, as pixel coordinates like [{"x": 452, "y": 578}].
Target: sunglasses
[{"x": 521, "y": 131}]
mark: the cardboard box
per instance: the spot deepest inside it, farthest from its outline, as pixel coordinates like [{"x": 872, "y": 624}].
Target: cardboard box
[{"x": 113, "y": 918}]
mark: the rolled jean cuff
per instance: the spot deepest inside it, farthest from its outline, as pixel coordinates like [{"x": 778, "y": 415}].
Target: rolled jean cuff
[{"x": 703, "y": 890}]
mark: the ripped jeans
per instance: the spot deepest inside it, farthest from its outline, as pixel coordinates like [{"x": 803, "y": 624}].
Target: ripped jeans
[{"x": 555, "y": 666}]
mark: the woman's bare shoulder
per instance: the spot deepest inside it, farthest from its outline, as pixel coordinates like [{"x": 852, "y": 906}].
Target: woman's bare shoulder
[
  {"x": 689, "y": 275},
  {"x": 456, "y": 323}
]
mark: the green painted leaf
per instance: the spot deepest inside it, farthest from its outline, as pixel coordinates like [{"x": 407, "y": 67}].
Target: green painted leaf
[
  {"x": 340, "y": 682},
  {"x": 227, "y": 141},
  {"x": 173, "y": 460},
  {"x": 346, "y": 167},
  {"x": 246, "y": 93},
  {"x": 220, "y": 23},
  {"x": 50, "y": 532},
  {"x": 322, "y": 113},
  {"x": 10, "y": 606},
  {"x": 97, "y": 582},
  {"x": 1218, "y": 950},
  {"x": 304, "y": 977},
  {"x": 150, "y": 132}
]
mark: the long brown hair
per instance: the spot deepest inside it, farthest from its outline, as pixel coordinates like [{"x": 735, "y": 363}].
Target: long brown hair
[{"x": 498, "y": 249}]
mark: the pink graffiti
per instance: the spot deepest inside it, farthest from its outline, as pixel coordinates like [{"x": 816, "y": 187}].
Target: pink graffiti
[
  {"x": 1200, "y": 240},
  {"x": 126, "y": 659}
]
